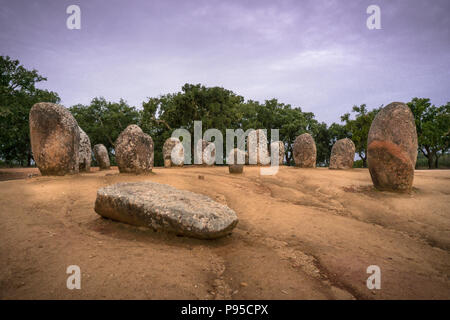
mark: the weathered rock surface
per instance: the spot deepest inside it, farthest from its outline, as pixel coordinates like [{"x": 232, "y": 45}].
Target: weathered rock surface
[
  {"x": 257, "y": 148},
  {"x": 173, "y": 153},
  {"x": 102, "y": 157},
  {"x": 134, "y": 151},
  {"x": 305, "y": 152},
  {"x": 85, "y": 152},
  {"x": 392, "y": 148},
  {"x": 236, "y": 161},
  {"x": 55, "y": 139},
  {"x": 280, "y": 154},
  {"x": 163, "y": 207},
  {"x": 342, "y": 154},
  {"x": 207, "y": 151}
]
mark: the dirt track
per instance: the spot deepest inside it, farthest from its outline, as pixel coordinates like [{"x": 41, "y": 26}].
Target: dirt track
[{"x": 303, "y": 234}]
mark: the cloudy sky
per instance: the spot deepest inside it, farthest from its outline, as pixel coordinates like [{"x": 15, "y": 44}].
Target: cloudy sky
[{"x": 316, "y": 54}]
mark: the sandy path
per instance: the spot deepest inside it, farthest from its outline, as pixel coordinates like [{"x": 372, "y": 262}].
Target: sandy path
[{"x": 303, "y": 234}]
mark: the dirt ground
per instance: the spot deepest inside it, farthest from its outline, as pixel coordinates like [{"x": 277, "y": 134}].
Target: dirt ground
[{"x": 302, "y": 234}]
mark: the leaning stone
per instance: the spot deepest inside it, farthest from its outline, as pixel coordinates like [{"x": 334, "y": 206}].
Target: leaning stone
[
  {"x": 163, "y": 207},
  {"x": 134, "y": 151},
  {"x": 173, "y": 153},
  {"x": 85, "y": 152},
  {"x": 236, "y": 161},
  {"x": 55, "y": 139},
  {"x": 305, "y": 152},
  {"x": 101, "y": 155},
  {"x": 392, "y": 148},
  {"x": 342, "y": 154}
]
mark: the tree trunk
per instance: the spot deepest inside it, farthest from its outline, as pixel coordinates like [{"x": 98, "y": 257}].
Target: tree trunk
[
  {"x": 430, "y": 161},
  {"x": 436, "y": 162}
]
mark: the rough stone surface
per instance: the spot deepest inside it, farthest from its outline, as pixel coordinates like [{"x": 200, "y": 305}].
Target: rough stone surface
[
  {"x": 163, "y": 207},
  {"x": 173, "y": 153},
  {"x": 392, "y": 148},
  {"x": 85, "y": 152},
  {"x": 280, "y": 154},
  {"x": 134, "y": 151},
  {"x": 305, "y": 152},
  {"x": 342, "y": 154},
  {"x": 207, "y": 150},
  {"x": 55, "y": 139},
  {"x": 257, "y": 148},
  {"x": 101, "y": 155},
  {"x": 236, "y": 160}
]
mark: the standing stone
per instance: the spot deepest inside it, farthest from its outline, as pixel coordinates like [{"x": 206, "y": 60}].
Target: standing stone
[
  {"x": 257, "y": 148},
  {"x": 85, "y": 152},
  {"x": 207, "y": 151},
  {"x": 342, "y": 154},
  {"x": 305, "y": 151},
  {"x": 173, "y": 153},
  {"x": 134, "y": 151},
  {"x": 392, "y": 148},
  {"x": 101, "y": 155},
  {"x": 166, "y": 208},
  {"x": 280, "y": 153},
  {"x": 236, "y": 160},
  {"x": 55, "y": 139}
]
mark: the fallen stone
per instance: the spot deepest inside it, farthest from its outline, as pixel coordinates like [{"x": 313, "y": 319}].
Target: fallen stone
[
  {"x": 392, "y": 148},
  {"x": 342, "y": 154},
  {"x": 101, "y": 155},
  {"x": 236, "y": 160},
  {"x": 134, "y": 151},
  {"x": 55, "y": 139},
  {"x": 163, "y": 207},
  {"x": 305, "y": 152}
]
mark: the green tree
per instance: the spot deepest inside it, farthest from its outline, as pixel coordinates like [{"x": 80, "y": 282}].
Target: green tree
[
  {"x": 359, "y": 127},
  {"x": 18, "y": 93}
]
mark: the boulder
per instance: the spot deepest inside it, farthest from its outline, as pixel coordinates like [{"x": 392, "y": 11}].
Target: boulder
[
  {"x": 173, "y": 153},
  {"x": 257, "y": 148},
  {"x": 305, "y": 151},
  {"x": 280, "y": 154},
  {"x": 236, "y": 161},
  {"x": 55, "y": 139},
  {"x": 85, "y": 152},
  {"x": 392, "y": 148},
  {"x": 134, "y": 151},
  {"x": 342, "y": 154},
  {"x": 101, "y": 155},
  {"x": 162, "y": 207}
]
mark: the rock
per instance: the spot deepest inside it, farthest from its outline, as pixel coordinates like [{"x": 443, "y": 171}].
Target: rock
[
  {"x": 236, "y": 160},
  {"x": 280, "y": 154},
  {"x": 173, "y": 153},
  {"x": 342, "y": 154},
  {"x": 101, "y": 155},
  {"x": 134, "y": 151},
  {"x": 257, "y": 148},
  {"x": 55, "y": 139},
  {"x": 305, "y": 151},
  {"x": 85, "y": 152},
  {"x": 207, "y": 150},
  {"x": 163, "y": 207},
  {"x": 392, "y": 148}
]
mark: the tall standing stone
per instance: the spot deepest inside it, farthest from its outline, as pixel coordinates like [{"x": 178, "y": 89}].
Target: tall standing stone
[
  {"x": 305, "y": 152},
  {"x": 280, "y": 154},
  {"x": 173, "y": 153},
  {"x": 392, "y": 148},
  {"x": 101, "y": 155},
  {"x": 85, "y": 152},
  {"x": 342, "y": 154},
  {"x": 257, "y": 148},
  {"x": 134, "y": 151},
  {"x": 207, "y": 151},
  {"x": 55, "y": 139}
]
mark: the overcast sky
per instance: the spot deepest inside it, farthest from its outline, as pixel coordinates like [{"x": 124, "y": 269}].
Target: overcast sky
[{"x": 315, "y": 54}]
